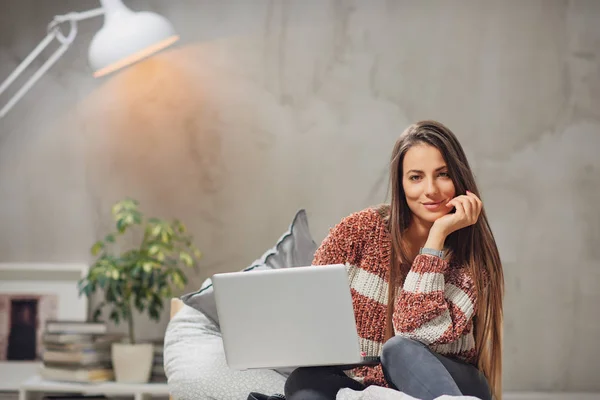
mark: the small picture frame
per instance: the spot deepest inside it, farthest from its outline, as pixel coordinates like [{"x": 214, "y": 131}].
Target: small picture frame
[{"x": 31, "y": 294}]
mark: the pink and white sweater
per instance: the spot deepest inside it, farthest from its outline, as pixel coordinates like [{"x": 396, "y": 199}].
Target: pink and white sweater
[{"x": 435, "y": 305}]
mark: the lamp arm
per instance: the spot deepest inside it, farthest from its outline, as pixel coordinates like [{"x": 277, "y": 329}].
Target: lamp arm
[
  {"x": 53, "y": 33},
  {"x": 80, "y": 16}
]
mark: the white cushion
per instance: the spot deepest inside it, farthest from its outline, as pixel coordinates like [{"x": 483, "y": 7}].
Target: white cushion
[{"x": 195, "y": 363}]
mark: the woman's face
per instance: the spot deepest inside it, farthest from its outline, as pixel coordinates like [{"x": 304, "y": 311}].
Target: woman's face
[{"x": 426, "y": 183}]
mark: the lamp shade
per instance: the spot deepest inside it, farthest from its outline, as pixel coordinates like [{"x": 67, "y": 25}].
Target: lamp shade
[{"x": 127, "y": 37}]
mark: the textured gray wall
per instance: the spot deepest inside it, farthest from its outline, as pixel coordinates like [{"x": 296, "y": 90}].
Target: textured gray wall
[{"x": 266, "y": 107}]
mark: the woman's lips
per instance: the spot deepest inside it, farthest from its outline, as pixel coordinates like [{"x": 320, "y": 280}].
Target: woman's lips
[{"x": 433, "y": 206}]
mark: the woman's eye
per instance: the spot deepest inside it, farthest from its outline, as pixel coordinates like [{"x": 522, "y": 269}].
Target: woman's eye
[
  {"x": 414, "y": 177},
  {"x": 445, "y": 174}
]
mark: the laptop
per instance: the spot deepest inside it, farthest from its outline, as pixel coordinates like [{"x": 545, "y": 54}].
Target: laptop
[{"x": 288, "y": 318}]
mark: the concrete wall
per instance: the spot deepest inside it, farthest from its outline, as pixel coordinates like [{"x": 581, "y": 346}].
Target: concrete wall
[{"x": 266, "y": 107}]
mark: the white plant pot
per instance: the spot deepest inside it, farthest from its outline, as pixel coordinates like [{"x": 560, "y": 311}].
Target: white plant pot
[{"x": 132, "y": 363}]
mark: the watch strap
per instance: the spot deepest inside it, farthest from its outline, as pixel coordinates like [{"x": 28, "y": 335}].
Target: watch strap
[{"x": 432, "y": 252}]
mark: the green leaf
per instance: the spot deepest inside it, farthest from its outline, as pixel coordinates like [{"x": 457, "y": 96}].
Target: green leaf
[
  {"x": 153, "y": 250},
  {"x": 136, "y": 271},
  {"x": 84, "y": 290},
  {"x": 114, "y": 315},
  {"x": 139, "y": 305},
  {"x": 165, "y": 292},
  {"x": 181, "y": 228},
  {"x": 125, "y": 312},
  {"x": 125, "y": 205},
  {"x": 154, "y": 221},
  {"x": 157, "y": 230},
  {"x": 154, "y": 313},
  {"x": 184, "y": 280},
  {"x": 197, "y": 253},
  {"x": 98, "y": 311},
  {"x": 110, "y": 238},
  {"x": 147, "y": 266},
  {"x": 186, "y": 258},
  {"x": 177, "y": 280},
  {"x": 97, "y": 247},
  {"x": 157, "y": 300},
  {"x": 102, "y": 281},
  {"x": 121, "y": 225},
  {"x": 109, "y": 294}
]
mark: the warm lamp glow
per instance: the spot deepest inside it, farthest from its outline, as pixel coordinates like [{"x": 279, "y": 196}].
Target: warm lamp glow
[
  {"x": 125, "y": 38},
  {"x": 133, "y": 58}
]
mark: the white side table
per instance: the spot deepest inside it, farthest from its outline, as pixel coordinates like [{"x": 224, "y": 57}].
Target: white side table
[{"x": 34, "y": 387}]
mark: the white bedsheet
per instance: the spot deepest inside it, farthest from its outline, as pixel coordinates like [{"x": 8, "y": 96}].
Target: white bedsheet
[{"x": 380, "y": 393}]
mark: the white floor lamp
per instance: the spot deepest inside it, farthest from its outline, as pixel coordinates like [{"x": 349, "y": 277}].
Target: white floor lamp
[{"x": 125, "y": 38}]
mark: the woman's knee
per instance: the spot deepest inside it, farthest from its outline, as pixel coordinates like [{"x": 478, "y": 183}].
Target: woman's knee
[{"x": 399, "y": 347}]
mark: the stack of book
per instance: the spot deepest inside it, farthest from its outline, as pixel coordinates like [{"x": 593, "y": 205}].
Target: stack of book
[
  {"x": 77, "y": 352},
  {"x": 158, "y": 369}
]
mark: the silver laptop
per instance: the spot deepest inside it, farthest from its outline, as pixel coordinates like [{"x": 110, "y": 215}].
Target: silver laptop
[{"x": 286, "y": 318}]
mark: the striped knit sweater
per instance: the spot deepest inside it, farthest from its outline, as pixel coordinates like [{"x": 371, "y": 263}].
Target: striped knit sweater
[{"x": 435, "y": 305}]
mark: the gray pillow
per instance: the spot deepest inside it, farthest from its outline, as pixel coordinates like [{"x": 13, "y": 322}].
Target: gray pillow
[{"x": 295, "y": 248}]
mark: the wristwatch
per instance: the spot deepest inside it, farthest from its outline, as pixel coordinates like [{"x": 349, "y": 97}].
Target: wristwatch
[{"x": 432, "y": 252}]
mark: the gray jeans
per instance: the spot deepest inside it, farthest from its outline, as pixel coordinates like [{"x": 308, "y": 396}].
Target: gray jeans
[{"x": 408, "y": 366}]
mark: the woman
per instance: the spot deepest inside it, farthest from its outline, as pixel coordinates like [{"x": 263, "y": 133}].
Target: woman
[{"x": 439, "y": 330}]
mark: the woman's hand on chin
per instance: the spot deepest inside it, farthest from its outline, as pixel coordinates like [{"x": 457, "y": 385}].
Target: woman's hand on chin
[{"x": 468, "y": 208}]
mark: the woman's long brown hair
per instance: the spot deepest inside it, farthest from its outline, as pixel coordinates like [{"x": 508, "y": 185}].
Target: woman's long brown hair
[{"x": 473, "y": 246}]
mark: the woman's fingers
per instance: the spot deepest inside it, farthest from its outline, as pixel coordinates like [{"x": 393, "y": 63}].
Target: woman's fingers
[
  {"x": 477, "y": 202},
  {"x": 460, "y": 209},
  {"x": 468, "y": 206}
]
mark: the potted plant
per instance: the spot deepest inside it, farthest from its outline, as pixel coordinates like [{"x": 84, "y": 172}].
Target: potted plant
[{"x": 140, "y": 278}]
